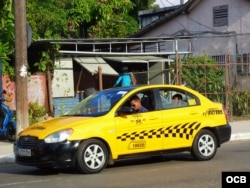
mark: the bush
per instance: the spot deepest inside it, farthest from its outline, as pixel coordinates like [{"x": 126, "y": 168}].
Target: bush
[
  {"x": 241, "y": 103},
  {"x": 203, "y": 74},
  {"x": 36, "y": 112}
]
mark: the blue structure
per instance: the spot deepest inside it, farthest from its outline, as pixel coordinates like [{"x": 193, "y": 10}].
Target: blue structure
[
  {"x": 63, "y": 105},
  {"x": 1, "y": 82}
]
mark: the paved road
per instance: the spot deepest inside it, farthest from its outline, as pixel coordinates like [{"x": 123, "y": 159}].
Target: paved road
[
  {"x": 240, "y": 131},
  {"x": 176, "y": 170}
]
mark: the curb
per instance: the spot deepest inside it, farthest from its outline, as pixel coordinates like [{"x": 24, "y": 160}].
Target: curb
[
  {"x": 240, "y": 136},
  {"x": 10, "y": 158},
  {"x": 7, "y": 159}
]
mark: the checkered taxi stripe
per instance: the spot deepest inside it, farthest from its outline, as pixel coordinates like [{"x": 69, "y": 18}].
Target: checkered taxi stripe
[{"x": 181, "y": 131}]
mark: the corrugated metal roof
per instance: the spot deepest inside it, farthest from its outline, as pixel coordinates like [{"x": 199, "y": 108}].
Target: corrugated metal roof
[{"x": 138, "y": 59}]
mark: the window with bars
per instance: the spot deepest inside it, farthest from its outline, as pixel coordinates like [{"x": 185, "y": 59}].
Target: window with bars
[
  {"x": 243, "y": 63},
  {"x": 220, "y": 16}
]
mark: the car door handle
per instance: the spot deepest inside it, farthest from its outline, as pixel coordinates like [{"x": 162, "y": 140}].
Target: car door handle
[
  {"x": 153, "y": 118},
  {"x": 194, "y": 112}
]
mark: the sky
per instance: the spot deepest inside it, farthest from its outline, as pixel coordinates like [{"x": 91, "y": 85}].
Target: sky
[{"x": 167, "y": 3}]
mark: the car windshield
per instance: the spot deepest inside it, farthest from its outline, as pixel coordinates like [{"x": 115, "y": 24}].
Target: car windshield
[{"x": 98, "y": 104}]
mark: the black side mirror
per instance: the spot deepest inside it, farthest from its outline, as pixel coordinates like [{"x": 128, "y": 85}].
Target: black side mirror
[{"x": 124, "y": 110}]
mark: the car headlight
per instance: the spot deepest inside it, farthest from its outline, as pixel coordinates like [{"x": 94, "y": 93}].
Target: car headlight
[{"x": 58, "y": 136}]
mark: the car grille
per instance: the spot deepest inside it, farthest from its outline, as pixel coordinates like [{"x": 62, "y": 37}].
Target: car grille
[{"x": 27, "y": 141}]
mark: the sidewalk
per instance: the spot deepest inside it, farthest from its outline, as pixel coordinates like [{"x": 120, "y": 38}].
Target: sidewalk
[{"x": 240, "y": 131}]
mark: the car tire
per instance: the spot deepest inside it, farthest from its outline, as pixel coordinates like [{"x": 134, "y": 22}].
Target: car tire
[
  {"x": 204, "y": 146},
  {"x": 91, "y": 156}
]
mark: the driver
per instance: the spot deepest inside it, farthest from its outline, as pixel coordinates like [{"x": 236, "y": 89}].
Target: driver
[{"x": 135, "y": 103}]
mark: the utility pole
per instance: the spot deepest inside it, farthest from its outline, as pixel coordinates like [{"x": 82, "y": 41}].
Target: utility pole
[{"x": 22, "y": 115}]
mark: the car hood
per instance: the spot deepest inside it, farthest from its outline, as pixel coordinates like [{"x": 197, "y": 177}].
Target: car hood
[{"x": 45, "y": 128}]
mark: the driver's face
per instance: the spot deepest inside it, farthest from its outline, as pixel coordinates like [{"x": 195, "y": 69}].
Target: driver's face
[{"x": 135, "y": 104}]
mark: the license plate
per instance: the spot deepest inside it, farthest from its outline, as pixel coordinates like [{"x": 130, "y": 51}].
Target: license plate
[{"x": 24, "y": 152}]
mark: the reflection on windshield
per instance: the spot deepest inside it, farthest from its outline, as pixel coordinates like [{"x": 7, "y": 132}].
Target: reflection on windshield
[{"x": 97, "y": 104}]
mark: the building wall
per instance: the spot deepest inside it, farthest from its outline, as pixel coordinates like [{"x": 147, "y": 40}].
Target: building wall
[{"x": 199, "y": 22}]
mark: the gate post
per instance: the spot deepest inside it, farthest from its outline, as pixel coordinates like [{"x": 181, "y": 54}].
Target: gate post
[{"x": 227, "y": 102}]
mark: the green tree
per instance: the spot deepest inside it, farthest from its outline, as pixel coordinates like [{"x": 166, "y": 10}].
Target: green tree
[
  {"x": 84, "y": 18},
  {"x": 7, "y": 35},
  {"x": 56, "y": 19},
  {"x": 109, "y": 18},
  {"x": 47, "y": 18}
]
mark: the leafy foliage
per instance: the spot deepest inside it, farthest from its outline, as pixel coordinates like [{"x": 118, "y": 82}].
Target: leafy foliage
[
  {"x": 7, "y": 42},
  {"x": 47, "y": 18},
  {"x": 241, "y": 103},
  {"x": 111, "y": 19},
  {"x": 36, "y": 112},
  {"x": 88, "y": 18},
  {"x": 204, "y": 75},
  {"x": 57, "y": 19}
]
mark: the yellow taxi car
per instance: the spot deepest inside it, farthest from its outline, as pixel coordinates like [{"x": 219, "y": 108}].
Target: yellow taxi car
[{"x": 106, "y": 127}]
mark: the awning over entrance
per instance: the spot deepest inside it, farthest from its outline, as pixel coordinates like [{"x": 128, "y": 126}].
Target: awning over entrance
[{"x": 91, "y": 64}]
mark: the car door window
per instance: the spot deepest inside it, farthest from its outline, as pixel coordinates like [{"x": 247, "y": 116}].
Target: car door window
[
  {"x": 173, "y": 98},
  {"x": 145, "y": 98}
]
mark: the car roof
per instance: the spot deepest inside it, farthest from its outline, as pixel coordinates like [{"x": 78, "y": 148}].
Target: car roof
[
  {"x": 155, "y": 86},
  {"x": 151, "y": 86}
]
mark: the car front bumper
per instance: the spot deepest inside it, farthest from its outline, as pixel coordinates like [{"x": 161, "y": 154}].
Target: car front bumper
[{"x": 33, "y": 152}]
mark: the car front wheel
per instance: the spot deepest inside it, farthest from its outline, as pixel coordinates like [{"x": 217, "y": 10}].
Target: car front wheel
[
  {"x": 91, "y": 156},
  {"x": 204, "y": 146}
]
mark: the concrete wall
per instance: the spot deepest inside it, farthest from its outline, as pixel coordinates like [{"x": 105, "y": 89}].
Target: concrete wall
[{"x": 37, "y": 90}]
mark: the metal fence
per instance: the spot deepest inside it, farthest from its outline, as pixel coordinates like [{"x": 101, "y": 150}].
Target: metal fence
[{"x": 235, "y": 94}]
